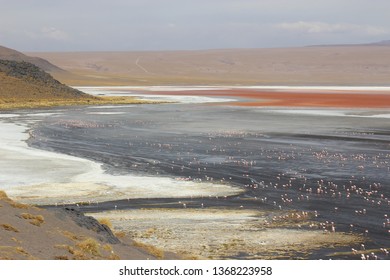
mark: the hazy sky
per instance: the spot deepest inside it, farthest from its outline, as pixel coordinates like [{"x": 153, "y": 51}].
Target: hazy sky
[{"x": 82, "y": 25}]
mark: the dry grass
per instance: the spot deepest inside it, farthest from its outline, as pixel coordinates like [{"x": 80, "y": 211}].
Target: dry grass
[
  {"x": 10, "y": 253},
  {"x": 46, "y": 103},
  {"x": 14, "y": 239},
  {"x": 158, "y": 253},
  {"x": 68, "y": 248},
  {"x": 19, "y": 94},
  {"x": 8, "y": 227},
  {"x": 109, "y": 249},
  {"x": 3, "y": 195},
  {"x": 71, "y": 236},
  {"x": 105, "y": 221},
  {"x": 149, "y": 233},
  {"x": 36, "y": 220},
  {"x": 22, "y": 251},
  {"x": 84, "y": 250},
  {"x": 61, "y": 258},
  {"x": 18, "y": 205},
  {"x": 89, "y": 246},
  {"x": 120, "y": 234}
]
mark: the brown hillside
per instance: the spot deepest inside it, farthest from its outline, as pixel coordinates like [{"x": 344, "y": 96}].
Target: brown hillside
[{"x": 24, "y": 85}]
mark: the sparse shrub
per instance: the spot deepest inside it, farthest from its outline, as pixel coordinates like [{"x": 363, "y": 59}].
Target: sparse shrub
[
  {"x": 15, "y": 240},
  {"x": 35, "y": 220},
  {"x": 3, "y": 195},
  {"x": 9, "y": 227},
  {"x": 105, "y": 221},
  {"x": 149, "y": 232},
  {"x": 158, "y": 253},
  {"x": 78, "y": 255},
  {"x": 120, "y": 234},
  {"x": 89, "y": 246},
  {"x": 61, "y": 258},
  {"x": 71, "y": 235},
  {"x": 107, "y": 248},
  {"x": 22, "y": 251},
  {"x": 18, "y": 205},
  {"x": 114, "y": 257}
]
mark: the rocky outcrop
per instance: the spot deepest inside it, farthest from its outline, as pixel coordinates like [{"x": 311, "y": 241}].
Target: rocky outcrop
[{"x": 92, "y": 224}]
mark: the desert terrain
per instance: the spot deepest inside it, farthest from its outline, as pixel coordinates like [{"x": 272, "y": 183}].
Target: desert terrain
[{"x": 318, "y": 65}]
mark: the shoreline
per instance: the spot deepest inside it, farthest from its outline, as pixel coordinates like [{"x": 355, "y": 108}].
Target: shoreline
[
  {"x": 336, "y": 97},
  {"x": 146, "y": 224},
  {"x": 50, "y": 104},
  {"x": 86, "y": 178},
  {"x": 267, "y": 96}
]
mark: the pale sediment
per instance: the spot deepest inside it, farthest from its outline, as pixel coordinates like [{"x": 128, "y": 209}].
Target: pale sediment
[{"x": 211, "y": 233}]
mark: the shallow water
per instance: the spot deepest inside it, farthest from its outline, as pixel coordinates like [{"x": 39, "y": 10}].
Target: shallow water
[{"x": 334, "y": 162}]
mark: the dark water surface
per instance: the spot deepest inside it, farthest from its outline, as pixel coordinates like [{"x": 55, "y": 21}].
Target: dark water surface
[{"x": 335, "y": 165}]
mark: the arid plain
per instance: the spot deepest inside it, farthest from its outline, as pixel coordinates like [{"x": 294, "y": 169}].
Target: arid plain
[{"x": 348, "y": 65}]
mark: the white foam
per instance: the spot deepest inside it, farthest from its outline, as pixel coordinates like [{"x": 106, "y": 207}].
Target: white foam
[
  {"x": 137, "y": 92},
  {"x": 103, "y": 89},
  {"x": 111, "y": 106},
  {"x": 105, "y": 113},
  {"x": 4, "y": 116},
  {"x": 184, "y": 98},
  {"x": 379, "y": 116}
]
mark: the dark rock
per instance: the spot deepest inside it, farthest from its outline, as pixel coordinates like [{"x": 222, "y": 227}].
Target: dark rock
[{"x": 91, "y": 224}]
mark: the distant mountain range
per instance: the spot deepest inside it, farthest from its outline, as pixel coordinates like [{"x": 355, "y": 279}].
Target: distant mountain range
[
  {"x": 384, "y": 43},
  {"x": 381, "y": 43}
]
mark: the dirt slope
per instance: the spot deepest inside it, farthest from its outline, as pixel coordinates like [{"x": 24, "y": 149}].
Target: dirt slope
[{"x": 28, "y": 232}]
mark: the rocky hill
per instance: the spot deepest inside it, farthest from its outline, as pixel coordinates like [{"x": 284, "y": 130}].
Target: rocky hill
[
  {"x": 10, "y": 54},
  {"x": 23, "y": 84},
  {"x": 28, "y": 72}
]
